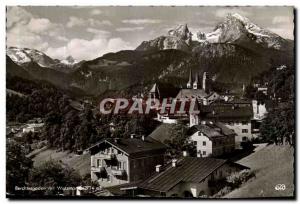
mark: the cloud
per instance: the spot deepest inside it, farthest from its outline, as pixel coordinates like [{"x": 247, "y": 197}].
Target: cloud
[
  {"x": 40, "y": 25},
  {"x": 27, "y": 39},
  {"x": 82, "y": 49},
  {"x": 99, "y": 33},
  {"x": 17, "y": 15},
  {"x": 129, "y": 29},
  {"x": 282, "y": 19},
  {"x": 26, "y": 30},
  {"x": 285, "y": 32},
  {"x": 62, "y": 38},
  {"x": 95, "y": 12},
  {"x": 141, "y": 21},
  {"x": 75, "y": 21}
]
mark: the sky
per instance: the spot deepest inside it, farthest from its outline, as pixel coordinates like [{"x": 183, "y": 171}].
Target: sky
[{"x": 89, "y": 32}]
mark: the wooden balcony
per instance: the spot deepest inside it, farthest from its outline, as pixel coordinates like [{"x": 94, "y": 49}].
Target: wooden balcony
[
  {"x": 118, "y": 172},
  {"x": 109, "y": 156},
  {"x": 97, "y": 169}
]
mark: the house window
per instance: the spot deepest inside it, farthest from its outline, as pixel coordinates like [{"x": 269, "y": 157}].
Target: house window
[
  {"x": 204, "y": 143},
  {"x": 244, "y": 130},
  {"x": 119, "y": 165},
  {"x": 204, "y": 152},
  {"x": 99, "y": 162},
  {"x": 195, "y": 143}
]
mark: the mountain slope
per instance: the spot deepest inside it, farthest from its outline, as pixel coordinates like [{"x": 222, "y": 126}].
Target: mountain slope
[
  {"x": 13, "y": 69},
  {"x": 237, "y": 29},
  {"x": 233, "y": 53},
  {"x": 116, "y": 71},
  {"x": 25, "y": 56},
  {"x": 179, "y": 38}
]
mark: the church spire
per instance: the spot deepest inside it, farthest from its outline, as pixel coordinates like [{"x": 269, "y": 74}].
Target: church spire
[
  {"x": 189, "y": 84},
  {"x": 196, "y": 84}
]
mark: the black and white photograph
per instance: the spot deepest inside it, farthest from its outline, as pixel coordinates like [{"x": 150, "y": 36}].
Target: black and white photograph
[{"x": 150, "y": 102}]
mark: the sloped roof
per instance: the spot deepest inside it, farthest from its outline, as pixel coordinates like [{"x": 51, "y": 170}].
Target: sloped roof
[
  {"x": 191, "y": 93},
  {"x": 226, "y": 112},
  {"x": 162, "y": 132},
  {"x": 212, "y": 130},
  {"x": 188, "y": 169},
  {"x": 225, "y": 130},
  {"x": 134, "y": 147}
]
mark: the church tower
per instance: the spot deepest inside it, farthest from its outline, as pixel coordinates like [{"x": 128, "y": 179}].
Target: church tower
[
  {"x": 205, "y": 82},
  {"x": 189, "y": 84},
  {"x": 196, "y": 84}
]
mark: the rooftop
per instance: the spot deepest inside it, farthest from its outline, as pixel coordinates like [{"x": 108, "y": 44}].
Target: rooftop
[
  {"x": 212, "y": 130},
  {"x": 192, "y": 93},
  {"x": 131, "y": 146},
  {"x": 225, "y": 112},
  {"x": 162, "y": 132},
  {"x": 188, "y": 169}
]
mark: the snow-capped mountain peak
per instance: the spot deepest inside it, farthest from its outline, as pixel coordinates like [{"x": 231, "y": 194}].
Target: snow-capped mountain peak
[
  {"x": 23, "y": 56},
  {"x": 239, "y": 29},
  {"x": 179, "y": 38},
  {"x": 239, "y": 17},
  {"x": 182, "y": 32}
]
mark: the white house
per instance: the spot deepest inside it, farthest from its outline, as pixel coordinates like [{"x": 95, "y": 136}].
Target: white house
[{"x": 212, "y": 139}]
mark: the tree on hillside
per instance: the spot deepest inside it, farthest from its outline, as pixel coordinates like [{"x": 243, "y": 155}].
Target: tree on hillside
[
  {"x": 279, "y": 125},
  {"x": 17, "y": 167},
  {"x": 53, "y": 174},
  {"x": 179, "y": 140}
]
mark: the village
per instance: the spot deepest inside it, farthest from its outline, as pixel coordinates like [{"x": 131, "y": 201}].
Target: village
[
  {"x": 223, "y": 127},
  {"x": 187, "y": 102},
  {"x": 136, "y": 166}
]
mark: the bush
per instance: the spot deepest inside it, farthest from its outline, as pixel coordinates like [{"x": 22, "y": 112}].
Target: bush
[{"x": 238, "y": 178}]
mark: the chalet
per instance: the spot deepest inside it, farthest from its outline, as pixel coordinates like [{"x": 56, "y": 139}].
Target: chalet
[
  {"x": 186, "y": 177},
  {"x": 237, "y": 116},
  {"x": 117, "y": 161},
  {"x": 212, "y": 139}
]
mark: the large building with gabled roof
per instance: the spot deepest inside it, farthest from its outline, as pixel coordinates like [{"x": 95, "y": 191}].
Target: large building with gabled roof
[
  {"x": 116, "y": 161},
  {"x": 186, "y": 177}
]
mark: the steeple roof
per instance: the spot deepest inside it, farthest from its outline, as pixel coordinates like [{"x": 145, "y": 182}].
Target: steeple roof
[{"x": 190, "y": 77}]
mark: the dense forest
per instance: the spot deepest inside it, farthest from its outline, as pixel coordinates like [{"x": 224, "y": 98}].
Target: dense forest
[
  {"x": 67, "y": 128},
  {"x": 279, "y": 125}
]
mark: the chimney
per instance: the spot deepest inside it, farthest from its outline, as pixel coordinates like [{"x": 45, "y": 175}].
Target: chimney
[
  {"x": 174, "y": 162},
  {"x": 185, "y": 153},
  {"x": 143, "y": 137},
  {"x": 158, "y": 168}
]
